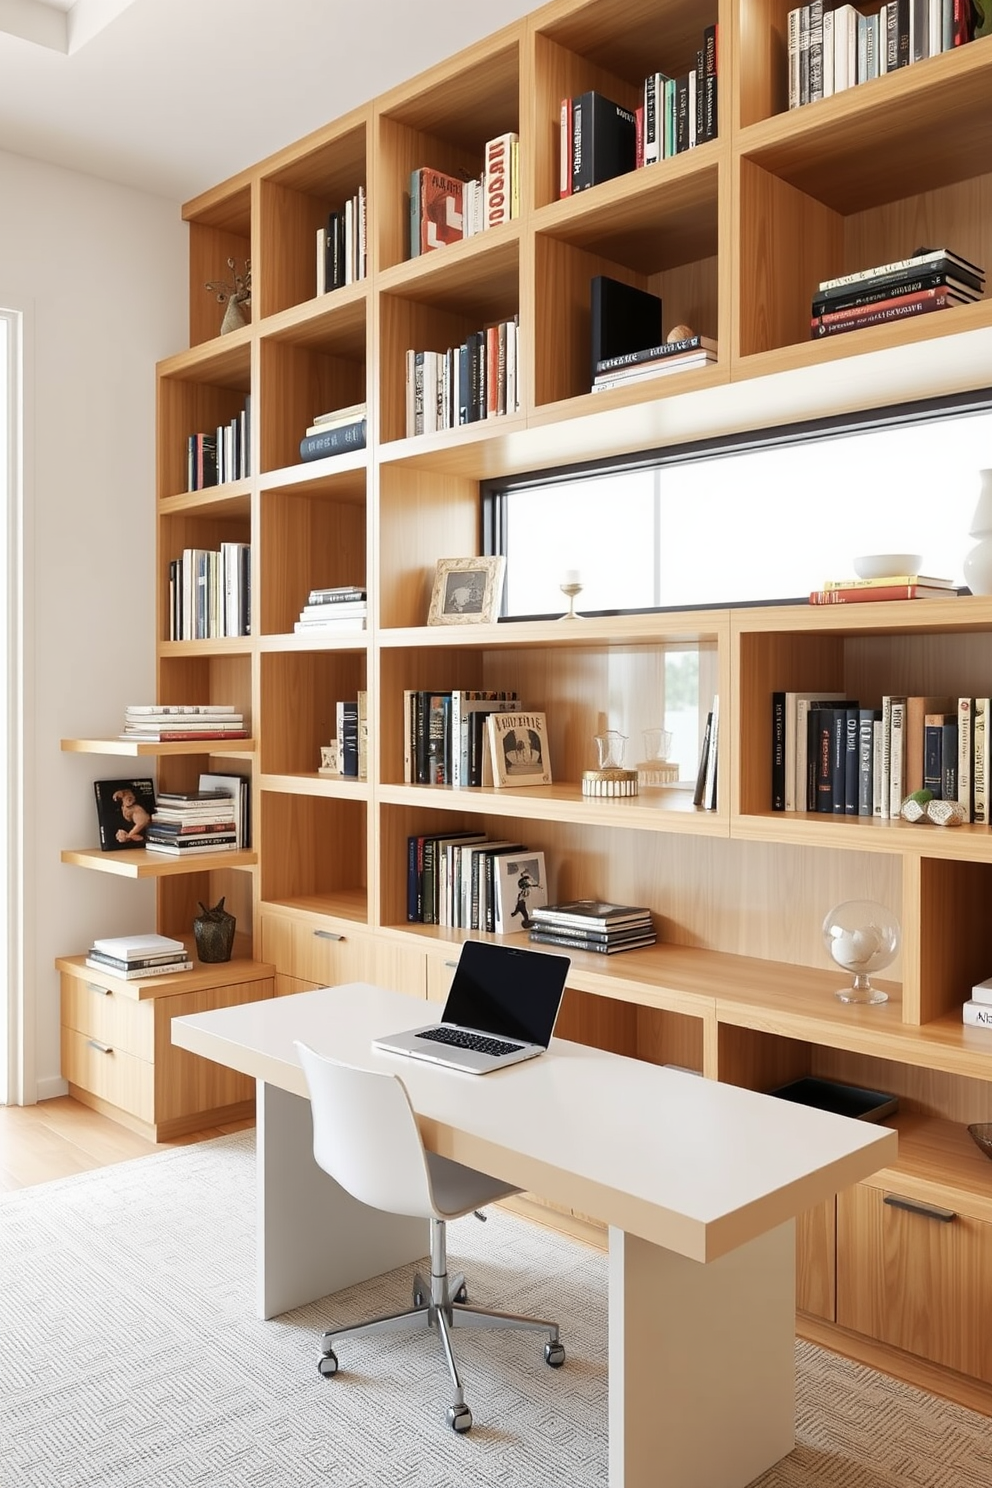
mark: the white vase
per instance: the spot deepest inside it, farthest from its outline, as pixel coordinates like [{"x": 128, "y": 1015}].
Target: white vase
[{"x": 978, "y": 563}]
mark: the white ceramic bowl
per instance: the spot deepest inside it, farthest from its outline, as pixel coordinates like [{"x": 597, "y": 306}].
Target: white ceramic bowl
[{"x": 881, "y": 565}]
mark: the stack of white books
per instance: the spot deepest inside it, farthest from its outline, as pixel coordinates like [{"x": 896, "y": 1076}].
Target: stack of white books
[
  {"x": 164, "y": 722},
  {"x": 133, "y": 957},
  {"x": 344, "y": 608},
  {"x": 978, "y": 1012}
]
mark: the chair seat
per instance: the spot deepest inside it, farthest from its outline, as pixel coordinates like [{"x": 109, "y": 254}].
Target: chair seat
[{"x": 458, "y": 1190}]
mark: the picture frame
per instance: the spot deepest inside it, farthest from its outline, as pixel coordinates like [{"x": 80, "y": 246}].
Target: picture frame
[
  {"x": 518, "y": 744},
  {"x": 466, "y": 591}
]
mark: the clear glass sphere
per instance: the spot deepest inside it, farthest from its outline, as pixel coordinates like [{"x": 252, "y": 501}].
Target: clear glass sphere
[{"x": 862, "y": 937}]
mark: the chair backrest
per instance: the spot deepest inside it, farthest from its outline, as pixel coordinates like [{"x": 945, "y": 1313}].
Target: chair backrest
[{"x": 365, "y": 1134}]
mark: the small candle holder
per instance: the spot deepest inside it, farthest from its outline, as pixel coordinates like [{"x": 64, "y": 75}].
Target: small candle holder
[
  {"x": 571, "y": 585},
  {"x": 610, "y": 779},
  {"x": 655, "y": 769}
]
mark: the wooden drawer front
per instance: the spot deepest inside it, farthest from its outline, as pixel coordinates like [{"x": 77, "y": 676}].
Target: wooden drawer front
[
  {"x": 914, "y": 1280},
  {"x": 96, "y": 1010},
  {"x": 184, "y": 1082},
  {"x": 327, "y": 957},
  {"x": 111, "y": 1073},
  {"x": 816, "y": 1261}
]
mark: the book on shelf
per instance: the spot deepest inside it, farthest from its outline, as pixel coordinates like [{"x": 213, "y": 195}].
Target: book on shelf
[
  {"x": 699, "y": 790},
  {"x": 778, "y": 751},
  {"x": 607, "y": 947},
  {"x": 342, "y": 594},
  {"x": 888, "y": 580},
  {"x": 918, "y": 708},
  {"x": 210, "y": 593},
  {"x": 869, "y": 731},
  {"x": 980, "y": 761},
  {"x": 592, "y": 914},
  {"x": 463, "y": 384},
  {"x": 921, "y": 257},
  {"x": 346, "y": 716},
  {"x": 336, "y": 440},
  {"x": 337, "y": 417},
  {"x": 201, "y": 800},
  {"x": 342, "y": 253},
  {"x": 797, "y": 708},
  {"x": 238, "y": 788},
  {"x": 712, "y": 758},
  {"x": 982, "y": 992},
  {"x": 468, "y": 712},
  {"x": 933, "y": 750},
  {"x": 124, "y": 810},
  {"x": 169, "y": 710},
  {"x": 498, "y": 177},
  {"x": 222, "y": 454},
  {"x": 182, "y": 845},
  {"x": 136, "y": 964},
  {"x": 435, "y": 210},
  {"x": 129, "y": 948},
  {"x": 976, "y": 1014},
  {"x": 925, "y": 303},
  {"x": 880, "y": 594},
  {"x": 422, "y": 853},
  {"x": 628, "y": 376},
  {"x": 623, "y": 319},
  {"x": 518, "y": 744},
  {"x": 139, "y": 973},
  {"x": 521, "y": 886},
  {"x": 200, "y": 849},
  {"x": 660, "y": 353},
  {"x": 855, "y": 296},
  {"x": 965, "y": 796},
  {"x": 603, "y": 140}
]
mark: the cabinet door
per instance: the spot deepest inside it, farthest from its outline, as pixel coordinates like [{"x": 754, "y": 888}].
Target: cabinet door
[
  {"x": 816, "y": 1261},
  {"x": 918, "y": 1278}
]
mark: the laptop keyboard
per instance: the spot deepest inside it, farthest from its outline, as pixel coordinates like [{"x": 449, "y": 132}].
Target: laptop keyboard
[{"x": 480, "y": 1042}]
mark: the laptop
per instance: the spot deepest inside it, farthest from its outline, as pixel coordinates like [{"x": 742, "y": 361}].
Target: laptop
[{"x": 501, "y": 1009}]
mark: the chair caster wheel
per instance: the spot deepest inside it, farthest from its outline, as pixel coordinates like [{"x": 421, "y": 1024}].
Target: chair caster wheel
[
  {"x": 328, "y": 1364},
  {"x": 461, "y": 1295},
  {"x": 554, "y": 1354},
  {"x": 459, "y": 1418}
]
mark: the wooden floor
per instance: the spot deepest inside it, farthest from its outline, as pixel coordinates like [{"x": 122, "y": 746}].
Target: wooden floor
[{"x": 56, "y": 1138}]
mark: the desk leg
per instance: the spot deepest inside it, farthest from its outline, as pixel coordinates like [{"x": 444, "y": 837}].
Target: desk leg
[
  {"x": 702, "y": 1363},
  {"x": 314, "y": 1238}
]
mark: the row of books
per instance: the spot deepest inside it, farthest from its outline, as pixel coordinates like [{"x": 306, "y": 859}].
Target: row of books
[
  {"x": 830, "y": 50},
  {"x": 593, "y": 925},
  {"x": 172, "y": 722},
  {"x": 930, "y": 279},
  {"x": 335, "y": 432},
  {"x": 188, "y": 824},
  {"x": 210, "y": 593},
  {"x": 347, "y": 753},
  {"x": 134, "y": 957},
  {"x": 445, "y": 738},
  {"x": 445, "y": 208},
  {"x": 830, "y": 754},
  {"x": 223, "y": 454},
  {"x": 705, "y": 791},
  {"x": 466, "y": 383},
  {"x": 892, "y": 586},
  {"x": 342, "y": 249},
  {"x": 338, "y": 608},
  {"x": 465, "y": 880}
]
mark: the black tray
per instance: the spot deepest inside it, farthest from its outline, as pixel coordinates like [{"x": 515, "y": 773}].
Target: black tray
[{"x": 843, "y": 1100}]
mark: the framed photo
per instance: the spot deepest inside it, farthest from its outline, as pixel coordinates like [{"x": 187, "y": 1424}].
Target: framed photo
[
  {"x": 518, "y": 744},
  {"x": 466, "y": 591}
]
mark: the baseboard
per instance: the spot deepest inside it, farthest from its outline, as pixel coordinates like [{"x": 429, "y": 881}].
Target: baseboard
[
  {"x": 50, "y": 1088},
  {"x": 947, "y": 1383}
]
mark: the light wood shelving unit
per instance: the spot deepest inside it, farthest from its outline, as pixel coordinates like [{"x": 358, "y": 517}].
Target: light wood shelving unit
[{"x": 734, "y": 235}]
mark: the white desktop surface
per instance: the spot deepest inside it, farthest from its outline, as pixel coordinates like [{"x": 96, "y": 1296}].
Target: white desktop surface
[
  {"x": 683, "y": 1170},
  {"x": 690, "y": 1164}
]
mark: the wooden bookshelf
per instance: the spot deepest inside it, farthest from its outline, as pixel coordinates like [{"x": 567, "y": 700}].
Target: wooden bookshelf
[{"x": 733, "y": 235}]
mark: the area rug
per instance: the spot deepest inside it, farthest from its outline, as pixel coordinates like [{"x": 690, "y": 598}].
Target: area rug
[{"x": 130, "y": 1358}]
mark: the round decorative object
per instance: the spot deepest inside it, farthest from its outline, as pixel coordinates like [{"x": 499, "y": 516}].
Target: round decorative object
[
  {"x": 862, "y": 937},
  {"x": 609, "y": 782},
  {"x": 945, "y": 813},
  {"x": 214, "y": 932},
  {"x": 680, "y": 333},
  {"x": 978, "y": 563},
  {"x": 886, "y": 565},
  {"x": 914, "y": 808}
]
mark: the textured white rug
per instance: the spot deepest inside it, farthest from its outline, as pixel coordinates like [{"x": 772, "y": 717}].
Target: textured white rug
[{"x": 130, "y": 1358}]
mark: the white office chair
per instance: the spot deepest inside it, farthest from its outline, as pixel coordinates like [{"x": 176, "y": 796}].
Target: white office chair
[{"x": 365, "y": 1135}]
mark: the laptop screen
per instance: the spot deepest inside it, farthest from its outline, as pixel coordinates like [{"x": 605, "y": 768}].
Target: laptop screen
[{"x": 507, "y": 991}]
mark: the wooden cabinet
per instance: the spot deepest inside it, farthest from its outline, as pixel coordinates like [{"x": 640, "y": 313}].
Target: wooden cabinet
[
  {"x": 734, "y": 236},
  {"x": 117, "y": 1053}
]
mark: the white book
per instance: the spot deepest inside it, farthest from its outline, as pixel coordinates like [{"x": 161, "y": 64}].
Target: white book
[
  {"x": 237, "y": 787},
  {"x": 965, "y": 715},
  {"x": 828, "y": 53},
  {"x": 877, "y": 752},
  {"x": 793, "y": 56},
  {"x": 977, "y": 1014},
  {"x": 845, "y": 47},
  {"x": 982, "y": 992},
  {"x": 521, "y": 886},
  {"x": 981, "y": 722},
  {"x": 134, "y": 947},
  {"x": 321, "y": 259},
  {"x": 897, "y": 756},
  {"x": 140, "y": 973},
  {"x": 935, "y": 29}
]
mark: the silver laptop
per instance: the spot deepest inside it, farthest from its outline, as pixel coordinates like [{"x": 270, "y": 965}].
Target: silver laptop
[{"x": 501, "y": 1008}]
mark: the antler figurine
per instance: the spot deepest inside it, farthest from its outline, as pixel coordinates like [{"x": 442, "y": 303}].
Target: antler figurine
[{"x": 236, "y": 293}]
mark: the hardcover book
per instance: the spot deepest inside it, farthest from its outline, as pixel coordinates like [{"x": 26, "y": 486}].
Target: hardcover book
[
  {"x": 137, "y": 947},
  {"x": 604, "y": 140},
  {"x": 518, "y": 745},
  {"x": 334, "y": 440},
  {"x": 436, "y": 217},
  {"x": 593, "y": 913},
  {"x": 521, "y": 887},
  {"x": 624, "y": 319},
  {"x": 124, "y": 810}
]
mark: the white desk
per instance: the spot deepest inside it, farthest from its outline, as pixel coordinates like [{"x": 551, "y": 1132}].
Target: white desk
[{"x": 684, "y": 1170}]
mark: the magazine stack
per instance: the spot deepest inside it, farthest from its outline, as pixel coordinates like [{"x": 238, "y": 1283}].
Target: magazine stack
[
  {"x": 592, "y": 925},
  {"x": 185, "y": 823}
]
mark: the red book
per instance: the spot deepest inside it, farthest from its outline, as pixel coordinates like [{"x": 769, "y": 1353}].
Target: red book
[
  {"x": 883, "y": 592},
  {"x": 897, "y": 308},
  {"x": 436, "y": 200},
  {"x": 166, "y": 736}
]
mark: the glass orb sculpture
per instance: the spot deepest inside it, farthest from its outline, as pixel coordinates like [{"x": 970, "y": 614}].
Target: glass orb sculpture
[{"x": 862, "y": 937}]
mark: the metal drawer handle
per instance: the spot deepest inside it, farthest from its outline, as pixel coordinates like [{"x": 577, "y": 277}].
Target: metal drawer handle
[
  {"x": 103, "y": 991},
  {"x": 453, "y": 965},
  {"x": 928, "y": 1211},
  {"x": 328, "y": 935},
  {"x": 103, "y": 1048}
]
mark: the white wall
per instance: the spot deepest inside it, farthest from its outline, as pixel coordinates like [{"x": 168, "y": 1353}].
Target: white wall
[{"x": 101, "y": 274}]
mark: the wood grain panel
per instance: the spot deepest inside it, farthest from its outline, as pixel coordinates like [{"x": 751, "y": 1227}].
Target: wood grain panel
[
  {"x": 816, "y": 1261},
  {"x": 311, "y": 541},
  {"x": 422, "y": 517}
]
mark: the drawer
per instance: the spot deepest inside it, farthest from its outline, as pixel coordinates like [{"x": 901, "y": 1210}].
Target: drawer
[
  {"x": 327, "y": 955},
  {"x": 916, "y": 1277},
  {"x": 95, "y": 1009},
  {"x": 102, "y": 1069}
]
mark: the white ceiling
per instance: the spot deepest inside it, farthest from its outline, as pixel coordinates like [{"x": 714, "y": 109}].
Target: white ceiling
[{"x": 173, "y": 96}]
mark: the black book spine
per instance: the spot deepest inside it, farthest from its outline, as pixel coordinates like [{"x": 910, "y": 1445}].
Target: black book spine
[
  {"x": 874, "y": 290},
  {"x": 778, "y": 751},
  {"x": 333, "y": 441},
  {"x": 421, "y": 743},
  {"x": 933, "y": 774},
  {"x": 851, "y": 761},
  {"x": 709, "y": 83},
  {"x": 838, "y": 760},
  {"x": 819, "y": 759},
  {"x": 949, "y": 761},
  {"x": 681, "y": 114}
]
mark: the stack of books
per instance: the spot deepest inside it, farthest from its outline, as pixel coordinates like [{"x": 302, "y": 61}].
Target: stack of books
[
  {"x": 977, "y": 1013},
  {"x": 593, "y": 925},
  {"x": 892, "y": 586},
  {"x": 335, "y": 432},
  {"x": 345, "y": 607},
  {"x": 930, "y": 279},
  {"x": 342, "y": 253},
  {"x": 159, "y": 723},
  {"x": 185, "y": 823},
  {"x": 654, "y": 361},
  {"x": 133, "y": 957}
]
